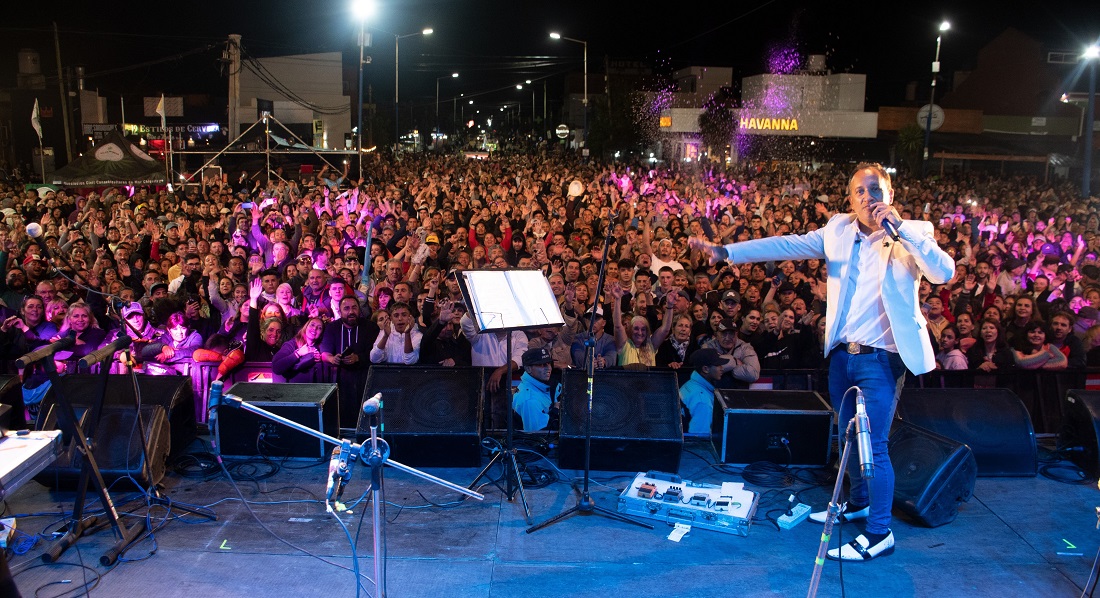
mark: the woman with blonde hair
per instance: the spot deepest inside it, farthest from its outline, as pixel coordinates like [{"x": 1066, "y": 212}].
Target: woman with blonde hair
[
  {"x": 296, "y": 359},
  {"x": 639, "y": 346},
  {"x": 80, "y": 323}
]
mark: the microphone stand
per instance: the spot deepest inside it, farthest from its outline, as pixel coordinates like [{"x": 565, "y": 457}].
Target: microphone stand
[
  {"x": 833, "y": 512},
  {"x": 375, "y": 454},
  {"x": 585, "y": 505},
  {"x": 84, "y": 445}
]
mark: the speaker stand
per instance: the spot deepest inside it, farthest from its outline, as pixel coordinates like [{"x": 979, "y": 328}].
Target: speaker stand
[
  {"x": 154, "y": 497},
  {"x": 585, "y": 505},
  {"x": 513, "y": 480}
]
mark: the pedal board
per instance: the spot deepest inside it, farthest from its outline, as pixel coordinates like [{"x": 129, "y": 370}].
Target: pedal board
[{"x": 728, "y": 508}]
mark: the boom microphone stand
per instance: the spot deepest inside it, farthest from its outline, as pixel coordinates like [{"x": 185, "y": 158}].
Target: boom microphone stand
[
  {"x": 105, "y": 353},
  {"x": 84, "y": 444},
  {"x": 585, "y": 505},
  {"x": 375, "y": 454}
]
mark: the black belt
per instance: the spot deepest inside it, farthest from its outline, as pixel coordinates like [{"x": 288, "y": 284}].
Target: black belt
[{"x": 857, "y": 349}]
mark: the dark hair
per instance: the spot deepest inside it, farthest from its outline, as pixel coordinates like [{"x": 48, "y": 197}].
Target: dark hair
[{"x": 1021, "y": 341}]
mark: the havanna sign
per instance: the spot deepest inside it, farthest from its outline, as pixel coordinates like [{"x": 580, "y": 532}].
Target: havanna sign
[{"x": 769, "y": 124}]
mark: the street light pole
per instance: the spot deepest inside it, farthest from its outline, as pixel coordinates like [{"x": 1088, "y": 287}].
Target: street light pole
[
  {"x": 932, "y": 96},
  {"x": 396, "y": 84},
  {"x": 363, "y": 9},
  {"x": 1092, "y": 54},
  {"x": 452, "y": 76},
  {"x": 585, "y": 44}
]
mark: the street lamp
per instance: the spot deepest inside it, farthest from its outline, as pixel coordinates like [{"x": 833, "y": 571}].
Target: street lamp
[
  {"x": 363, "y": 10},
  {"x": 396, "y": 80},
  {"x": 451, "y": 76},
  {"x": 585, "y": 44},
  {"x": 944, "y": 26},
  {"x": 1091, "y": 54}
]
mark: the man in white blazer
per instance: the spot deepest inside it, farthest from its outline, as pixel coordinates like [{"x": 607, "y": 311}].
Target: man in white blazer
[{"x": 874, "y": 327}]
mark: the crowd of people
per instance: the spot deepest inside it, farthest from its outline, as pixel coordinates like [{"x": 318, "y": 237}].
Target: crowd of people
[{"x": 326, "y": 270}]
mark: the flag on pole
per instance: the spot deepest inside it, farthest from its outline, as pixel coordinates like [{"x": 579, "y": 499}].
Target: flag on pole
[
  {"x": 160, "y": 111},
  {"x": 36, "y": 122}
]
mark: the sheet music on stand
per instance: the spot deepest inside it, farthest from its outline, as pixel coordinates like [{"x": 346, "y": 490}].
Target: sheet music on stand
[{"x": 509, "y": 299}]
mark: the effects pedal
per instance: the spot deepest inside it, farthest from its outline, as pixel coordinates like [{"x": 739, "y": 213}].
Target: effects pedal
[{"x": 647, "y": 490}]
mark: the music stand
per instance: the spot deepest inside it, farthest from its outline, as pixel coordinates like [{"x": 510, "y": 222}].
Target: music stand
[
  {"x": 507, "y": 301},
  {"x": 585, "y": 503}
]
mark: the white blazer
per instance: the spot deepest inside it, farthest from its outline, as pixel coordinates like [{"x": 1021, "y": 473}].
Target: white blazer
[{"x": 915, "y": 255}]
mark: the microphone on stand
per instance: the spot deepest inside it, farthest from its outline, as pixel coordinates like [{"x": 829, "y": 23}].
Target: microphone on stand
[
  {"x": 373, "y": 405},
  {"x": 863, "y": 437}
]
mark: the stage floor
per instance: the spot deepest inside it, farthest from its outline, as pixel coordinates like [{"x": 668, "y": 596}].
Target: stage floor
[{"x": 1016, "y": 536}]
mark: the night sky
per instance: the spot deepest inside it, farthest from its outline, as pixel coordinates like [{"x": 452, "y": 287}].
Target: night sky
[{"x": 496, "y": 44}]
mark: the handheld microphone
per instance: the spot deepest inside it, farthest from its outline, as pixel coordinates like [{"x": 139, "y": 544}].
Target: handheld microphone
[
  {"x": 45, "y": 351},
  {"x": 106, "y": 351},
  {"x": 890, "y": 229},
  {"x": 373, "y": 405},
  {"x": 863, "y": 437}
]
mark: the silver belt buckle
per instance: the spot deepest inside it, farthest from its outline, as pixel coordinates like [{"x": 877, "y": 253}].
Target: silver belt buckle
[{"x": 853, "y": 349}]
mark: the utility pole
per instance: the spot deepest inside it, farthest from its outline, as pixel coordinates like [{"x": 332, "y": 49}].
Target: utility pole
[
  {"x": 234, "y": 85},
  {"x": 64, "y": 98}
]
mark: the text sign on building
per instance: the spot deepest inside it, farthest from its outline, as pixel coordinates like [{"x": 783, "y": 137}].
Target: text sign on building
[
  {"x": 768, "y": 124},
  {"x": 562, "y": 131}
]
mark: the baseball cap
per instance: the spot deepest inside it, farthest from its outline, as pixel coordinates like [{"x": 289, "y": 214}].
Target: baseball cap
[
  {"x": 537, "y": 356},
  {"x": 170, "y": 226},
  {"x": 785, "y": 287},
  {"x": 706, "y": 357},
  {"x": 132, "y": 308},
  {"x": 731, "y": 295},
  {"x": 432, "y": 239},
  {"x": 727, "y": 325}
]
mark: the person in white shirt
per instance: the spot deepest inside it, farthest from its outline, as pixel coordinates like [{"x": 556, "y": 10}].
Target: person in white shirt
[
  {"x": 399, "y": 341},
  {"x": 874, "y": 327}
]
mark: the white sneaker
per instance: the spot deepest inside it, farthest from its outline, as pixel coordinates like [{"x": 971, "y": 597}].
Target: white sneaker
[
  {"x": 844, "y": 516},
  {"x": 859, "y": 550}
]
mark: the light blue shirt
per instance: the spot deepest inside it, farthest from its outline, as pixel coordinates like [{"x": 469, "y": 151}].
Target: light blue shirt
[
  {"x": 697, "y": 394},
  {"x": 532, "y": 403}
]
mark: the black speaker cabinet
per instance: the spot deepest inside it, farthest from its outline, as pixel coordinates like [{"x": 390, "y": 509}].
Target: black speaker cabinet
[
  {"x": 1081, "y": 429},
  {"x": 761, "y": 425},
  {"x": 932, "y": 474},
  {"x": 11, "y": 394},
  {"x": 315, "y": 406},
  {"x": 173, "y": 393},
  {"x": 431, "y": 416},
  {"x": 116, "y": 446},
  {"x": 993, "y": 422},
  {"x": 636, "y": 422}
]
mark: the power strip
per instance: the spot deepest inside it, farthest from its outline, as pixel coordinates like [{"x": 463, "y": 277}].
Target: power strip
[{"x": 799, "y": 514}]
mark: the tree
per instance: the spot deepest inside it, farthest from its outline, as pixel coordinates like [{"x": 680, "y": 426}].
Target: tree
[
  {"x": 716, "y": 123},
  {"x": 911, "y": 147}
]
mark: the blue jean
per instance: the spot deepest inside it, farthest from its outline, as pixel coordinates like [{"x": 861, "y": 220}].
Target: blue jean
[{"x": 880, "y": 375}]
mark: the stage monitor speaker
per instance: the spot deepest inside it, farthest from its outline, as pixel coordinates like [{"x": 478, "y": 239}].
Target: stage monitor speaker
[
  {"x": 993, "y": 422},
  {"x": 173, "y": 393},
  {"x": 243, "y": 433},
  {"x": 11, "y": 394},
  {"x": 932, "y": 474},
  {"x": 636, "y": 421},
  {"x": 1081, "y": 429},
  {"x": 116, "y": 448},
  {"x": 789, "y": 427},
  {"x": 431, "y": 415}
]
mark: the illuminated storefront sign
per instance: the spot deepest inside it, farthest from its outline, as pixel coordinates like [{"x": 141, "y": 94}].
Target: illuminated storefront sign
[
  {"x": 198, "y": 128},
  {"x": 768, "y": 124}
]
